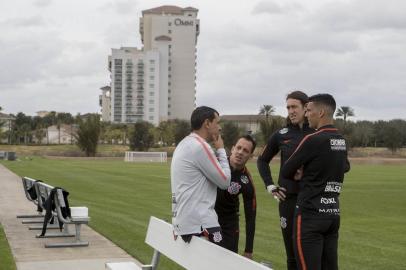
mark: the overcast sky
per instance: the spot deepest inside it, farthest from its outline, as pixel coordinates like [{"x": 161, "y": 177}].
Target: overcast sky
[{"x": 53, "y": 54}]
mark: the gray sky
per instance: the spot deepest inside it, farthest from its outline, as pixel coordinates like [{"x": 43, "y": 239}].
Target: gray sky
[{"x": 53, "y": 54}]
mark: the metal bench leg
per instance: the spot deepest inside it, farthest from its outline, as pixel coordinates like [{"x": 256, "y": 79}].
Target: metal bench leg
[
  {"x": 155, "y": 259},
  {"x": 77, "y": 243},
  {"x": 65, "y": 233}
]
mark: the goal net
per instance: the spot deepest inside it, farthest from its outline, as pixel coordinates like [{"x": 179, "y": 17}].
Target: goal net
[{"x": 145, "y": 156}]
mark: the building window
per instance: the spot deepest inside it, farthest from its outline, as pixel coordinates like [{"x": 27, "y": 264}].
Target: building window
[
  {"x": 169, "y": 105},
  {"x": 169, "y": 46},
  {"x": 152, "y": 61},
  {"x": 151, "y": 109},
  {"x": 169, "y": 113},
  {"x": 169, "y": 23},
  {"x": 169, "y": 98},
  {"x": 169, "y": 83},
  {"x": 169, "y": 31},
  {"x": 152, "y": 69},
  {"x": 151, "y": 77},
  {"x": 151, "y": 85},
  {"x": 151, "y": 94},
  {"x": 151, "y": 118},
  {"x": 151, "y": 101}
]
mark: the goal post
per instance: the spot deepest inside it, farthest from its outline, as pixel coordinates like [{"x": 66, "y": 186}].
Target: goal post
[{"x": 145, "y": 156}]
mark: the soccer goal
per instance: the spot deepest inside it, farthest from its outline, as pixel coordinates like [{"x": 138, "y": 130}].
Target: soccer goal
[{"x": 145, "y": 156}]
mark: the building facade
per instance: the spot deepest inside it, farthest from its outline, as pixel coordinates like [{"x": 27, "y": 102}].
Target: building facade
[{"x": 158, "y": 82}]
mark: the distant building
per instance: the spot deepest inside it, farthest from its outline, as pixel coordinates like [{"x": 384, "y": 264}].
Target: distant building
[
  {"x": 105, "y": 103},
  {"x": 250, "y": 123},
  {"x": 157, "y": 82},
  {"x": 52, "y": 135}
]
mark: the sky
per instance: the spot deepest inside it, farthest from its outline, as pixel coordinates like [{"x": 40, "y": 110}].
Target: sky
[{"x": 53, "y": 54}]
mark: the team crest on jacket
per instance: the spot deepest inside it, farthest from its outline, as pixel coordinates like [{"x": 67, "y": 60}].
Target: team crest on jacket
[
  {"x": 217, "y": 237},
  {"x": 283, "y": 130},
  {"x": 244, "y": 179},
  {"x": 283, "y": 223}
]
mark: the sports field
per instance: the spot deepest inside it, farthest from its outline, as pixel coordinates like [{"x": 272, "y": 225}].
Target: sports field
[{"x": 122, "y": 196}]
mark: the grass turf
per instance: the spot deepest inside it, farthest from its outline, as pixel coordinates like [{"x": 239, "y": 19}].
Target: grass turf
[
  {"x": 122, "y": 196},
  {"x": 6, "y": 258}
]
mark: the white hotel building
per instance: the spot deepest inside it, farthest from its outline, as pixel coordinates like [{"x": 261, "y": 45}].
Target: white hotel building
[{"x": 155, "y": 83}]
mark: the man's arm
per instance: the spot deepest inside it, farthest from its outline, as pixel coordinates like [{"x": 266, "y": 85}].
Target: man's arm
[
  {"x": 216, "y": 169},
  {"x": 269, "y": 151},
  {"x": 250, "y": 210},
  {"x": 300, "y": 156}
]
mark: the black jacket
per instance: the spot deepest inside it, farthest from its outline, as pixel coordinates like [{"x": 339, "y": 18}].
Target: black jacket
[
  {"x": 323, "y": 156},
  {"x": 50, "y": 207},
  {"x": 228, "y": 204},
  {"x": 284, "y": 140}
]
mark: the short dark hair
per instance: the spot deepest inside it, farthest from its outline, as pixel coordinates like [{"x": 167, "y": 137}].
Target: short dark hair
[
  {"x": 200, "y": 114},
  {"x": 326, "y": 100},
  {"x": 299, "y": 95},
  {"x": 250, "y": 139}
]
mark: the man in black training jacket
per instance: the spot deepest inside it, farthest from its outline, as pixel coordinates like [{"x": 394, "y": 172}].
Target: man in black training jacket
[
  {"x": 323, "y": 157},
  {"x": 227, "y": 203},
  {"x": 285, "y": 141}
]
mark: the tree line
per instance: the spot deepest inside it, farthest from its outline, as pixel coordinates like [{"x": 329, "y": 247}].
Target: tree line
[{"x": 89, "y": 131}]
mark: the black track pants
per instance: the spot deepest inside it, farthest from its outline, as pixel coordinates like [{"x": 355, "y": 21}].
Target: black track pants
[
  {"x": 316, "y": 241},
  {"x": 231, "y": 233},
  {"x": 287, "y": 216}
]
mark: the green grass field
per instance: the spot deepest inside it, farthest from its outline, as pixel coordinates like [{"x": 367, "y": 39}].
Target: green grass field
[
  {"x": 122, "y": 196},
  {"x": 6, "y": 258}
]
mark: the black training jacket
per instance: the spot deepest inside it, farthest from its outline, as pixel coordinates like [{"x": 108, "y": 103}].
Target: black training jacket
[
  {"x": 323, "y": 155},
  {"x": 228, "y": 204},
  {"x": 284, "y": 140}
]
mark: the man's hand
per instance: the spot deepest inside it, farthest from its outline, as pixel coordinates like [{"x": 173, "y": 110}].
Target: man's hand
[
  {"x": 299, "y": 174},
  {"x": 218, "y": 142},
  {"x": 247, "y": 255},
  {"x": 277, "y": 192}
]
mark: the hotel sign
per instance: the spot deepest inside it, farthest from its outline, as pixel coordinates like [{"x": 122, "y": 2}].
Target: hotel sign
[{"x": 181, "y": 22}]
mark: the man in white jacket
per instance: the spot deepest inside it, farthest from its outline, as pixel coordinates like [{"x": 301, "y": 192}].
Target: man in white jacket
[{"x": 196, "y": 172}]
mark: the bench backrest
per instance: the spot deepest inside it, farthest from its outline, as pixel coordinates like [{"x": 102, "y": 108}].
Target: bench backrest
[
  {"x": 29, "y": 183},
  {"x": 198, "y": 254},
  {"x": 43, "y": 192}
]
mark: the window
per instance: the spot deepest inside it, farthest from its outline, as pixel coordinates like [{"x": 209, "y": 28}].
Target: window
[
  {"x": 151, "y": 85},
  {"x": 169, "y": 23},
  {"x": 152, "y": 69},
  {"x": 169, "y": 31},
  {"x": 151, "y": 101},
  {"x": 151, "y": 77},
  {"x": 151, "y": 118},
  {"x": 151, "y": 94},
  {"x": 152, "y": 61},
  {"x": 151, "y": 109}
]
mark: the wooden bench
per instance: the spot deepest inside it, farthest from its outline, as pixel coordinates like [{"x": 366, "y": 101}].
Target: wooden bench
[{"x": 199, "y": 254}]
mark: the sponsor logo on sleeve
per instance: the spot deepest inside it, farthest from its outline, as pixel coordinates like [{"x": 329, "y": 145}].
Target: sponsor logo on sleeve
[
  {"x": 337, "y": 144},
  {"x": 244, "y": 179}
]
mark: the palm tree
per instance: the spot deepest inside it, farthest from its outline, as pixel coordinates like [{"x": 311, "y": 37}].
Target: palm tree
[
  {"x": 266, "y": 110},
  {"x": 345, "y": 112}
]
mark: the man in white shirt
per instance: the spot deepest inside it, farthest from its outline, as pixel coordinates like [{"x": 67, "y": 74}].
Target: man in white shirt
[{"x": 196, "y": 172}]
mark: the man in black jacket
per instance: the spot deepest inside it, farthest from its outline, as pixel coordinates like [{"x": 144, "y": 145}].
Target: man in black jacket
[
  {"x": 227, "y": 202},
  {"x": 285, "y": 141},
  {"x": 323, "y": 157}
]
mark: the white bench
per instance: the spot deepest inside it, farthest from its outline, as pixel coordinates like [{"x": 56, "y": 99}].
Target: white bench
[{"x": 199, "y": 254}]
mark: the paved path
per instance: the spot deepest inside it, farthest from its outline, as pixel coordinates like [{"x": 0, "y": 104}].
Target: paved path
[{"x": 29, "y": 252}]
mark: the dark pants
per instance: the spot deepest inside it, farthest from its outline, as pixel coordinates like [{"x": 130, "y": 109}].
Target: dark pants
[
  {"x": 287, "y": 217},
  {"x": 316, "y": 242},
  {"x": 231, "y": 233}
]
